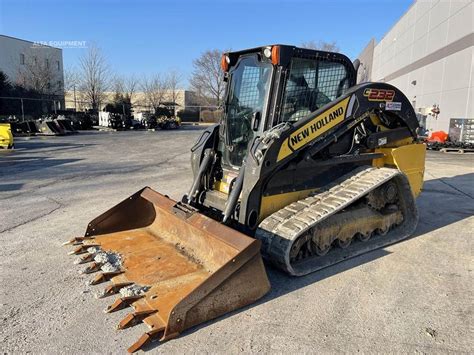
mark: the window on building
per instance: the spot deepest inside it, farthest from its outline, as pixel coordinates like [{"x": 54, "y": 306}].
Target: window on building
[
  {"x": 35, "y": 59},
  {"x": 22, "y": 59},
  {"x": 59, "y": 83},
  {"x": 47, "y": 63},
  {"x": 48, "y": 86},
  {"x": 58, "y": 65}
]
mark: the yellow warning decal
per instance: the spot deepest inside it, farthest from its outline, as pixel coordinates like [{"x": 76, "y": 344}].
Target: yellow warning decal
[{"x": 314, "y": 128}]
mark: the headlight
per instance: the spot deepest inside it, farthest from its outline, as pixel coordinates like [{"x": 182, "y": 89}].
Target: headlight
[{"x": 267, "y": 52}]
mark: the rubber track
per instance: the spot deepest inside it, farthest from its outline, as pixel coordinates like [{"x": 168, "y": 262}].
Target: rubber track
[{"x": 280, "y": 230}]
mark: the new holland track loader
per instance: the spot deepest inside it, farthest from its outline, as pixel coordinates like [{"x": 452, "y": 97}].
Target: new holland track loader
[{"x": 306, "y": 169}]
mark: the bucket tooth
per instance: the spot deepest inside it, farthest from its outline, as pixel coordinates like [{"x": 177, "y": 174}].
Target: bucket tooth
[
  {"x": 94, "y": 267},
  {"x": 134, "y": 318},
  {"x": 145, "y": 339},
  {"x": 82, "y": 249},
  {"x": 121, "y": 303},
  {"x": 104, "y": 276},
  {"x": 114, "y": 288},
  {"x": 85, "y": 259},
  {"x": 76, "y": 240}
]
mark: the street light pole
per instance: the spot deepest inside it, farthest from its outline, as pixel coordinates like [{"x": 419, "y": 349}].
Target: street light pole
[
  {"x": 75, "y": 106},
  {"x": 22, "y": 111}
]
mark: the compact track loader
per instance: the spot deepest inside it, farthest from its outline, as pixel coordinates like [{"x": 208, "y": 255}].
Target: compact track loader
[{"x": 306, "y": 169}]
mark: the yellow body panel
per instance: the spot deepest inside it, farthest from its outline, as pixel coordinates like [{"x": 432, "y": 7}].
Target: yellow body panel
[
  {"x": 376, "y": 121},
  {"x": 410, "y": 159},
  {"x": 221, "y": 186},
  {"x": 6, "y": 136},
  {"x": 273, "y": 203},
  {"x": 313, "y": 129}
]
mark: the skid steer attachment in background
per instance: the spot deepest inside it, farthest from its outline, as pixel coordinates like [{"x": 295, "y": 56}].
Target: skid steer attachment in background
[
  {"x": 174, "y": 266},
  {"x": 66, "y": 126},
  {"x": 49, "y": 128}
]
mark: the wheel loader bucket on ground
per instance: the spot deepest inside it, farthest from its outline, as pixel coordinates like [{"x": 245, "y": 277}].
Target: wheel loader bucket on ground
[
  {"x": 49, "y": 128},
  {"x": 32, "y": 128},
  {"x": 66, "y": 125},
  {"x": 174, "y": 266},
  {"x": 25, "y": 128}
]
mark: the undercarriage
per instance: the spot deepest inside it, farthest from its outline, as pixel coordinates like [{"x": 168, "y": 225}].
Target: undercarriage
[{"x": 365, "y": 210}]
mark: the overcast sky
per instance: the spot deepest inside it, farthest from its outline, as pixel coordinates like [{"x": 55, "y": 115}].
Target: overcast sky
[{"x": 144, "y": 36}]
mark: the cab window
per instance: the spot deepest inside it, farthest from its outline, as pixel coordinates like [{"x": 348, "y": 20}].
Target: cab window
[{"x": 310, "y": 85}]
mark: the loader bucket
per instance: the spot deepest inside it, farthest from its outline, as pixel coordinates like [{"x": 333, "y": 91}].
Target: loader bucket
[
  {"x": 32, "y": 128},
  {"x": 66, "y": 126},
  {"x": 49, "y": 128},
  {"x": 20, "y": 129},
  {"x": 174, "y": 266}
]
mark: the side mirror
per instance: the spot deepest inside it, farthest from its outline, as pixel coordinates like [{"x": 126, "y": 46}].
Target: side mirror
[{"x": 256, "y": 120}]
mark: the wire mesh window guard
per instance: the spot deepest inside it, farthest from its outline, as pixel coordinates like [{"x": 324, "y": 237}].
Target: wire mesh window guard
[{"x": 310, "y": 85}]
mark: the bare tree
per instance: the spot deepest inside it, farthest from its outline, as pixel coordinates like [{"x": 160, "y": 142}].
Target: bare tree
[
  {"x": 125, "y": 86},
  {"x": 36, "y": 73},
  {"x": 172, "y": 82},
  {"x": 71, "y": 79},
  {"x": 321, "y": 45},
  {"x": 207, "y": 78},
  {"x": 71, "y": 83},
  {"x": 117, "y": 85},
  {"x": 154, "y": 90},
  {"x": 130, "y": 86},
  {"x": 94, "y": 77}
]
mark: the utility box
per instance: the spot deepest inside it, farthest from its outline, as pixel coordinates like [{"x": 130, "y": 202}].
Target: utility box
[{"x": 461, "y": 130}]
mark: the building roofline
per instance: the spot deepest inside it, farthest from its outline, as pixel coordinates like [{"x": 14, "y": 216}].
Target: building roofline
[
  {"x": 367, "y": 46},
  {"x": 25, "y": 40},
  {"x": 396, "y": 22},
  {"x": 377, "y": 42}
]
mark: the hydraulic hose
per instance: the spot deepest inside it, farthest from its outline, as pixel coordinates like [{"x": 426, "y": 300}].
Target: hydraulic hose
[
  {"x": 194, "y": 190},
  {"x": 234, "y": 194}
]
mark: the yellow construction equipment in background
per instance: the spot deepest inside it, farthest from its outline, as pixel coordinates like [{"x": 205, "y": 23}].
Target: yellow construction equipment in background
[{"x": 6, "y": 136}]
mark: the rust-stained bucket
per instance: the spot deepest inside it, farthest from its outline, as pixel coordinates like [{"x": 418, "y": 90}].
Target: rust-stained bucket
[{"x": 175, "y": 268}]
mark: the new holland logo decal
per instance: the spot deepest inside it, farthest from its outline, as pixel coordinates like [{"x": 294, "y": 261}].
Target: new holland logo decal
[{"x": 313, "y": 129}]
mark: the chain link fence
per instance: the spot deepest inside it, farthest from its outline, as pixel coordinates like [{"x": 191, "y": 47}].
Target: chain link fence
[{"x": 26, "y": 108}]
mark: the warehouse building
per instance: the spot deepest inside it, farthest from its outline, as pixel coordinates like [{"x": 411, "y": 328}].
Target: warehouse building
[
  {"x": 428, "y": 54},
  {"x": 33, "y": 66},
  {"x": 183, "y": 98}
]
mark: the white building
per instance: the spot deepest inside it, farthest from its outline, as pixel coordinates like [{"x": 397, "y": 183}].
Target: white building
[
  {"x": 184, "y": 99},
  {"x": 33, "y": 65},
  {"x": 428, "y": 54}
]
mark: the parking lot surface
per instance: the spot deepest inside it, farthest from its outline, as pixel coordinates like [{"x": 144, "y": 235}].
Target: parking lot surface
[{"x": 414, "y": 296}]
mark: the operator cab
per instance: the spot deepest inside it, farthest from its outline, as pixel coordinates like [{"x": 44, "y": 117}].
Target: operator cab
[{"x": 303, "y": 81}]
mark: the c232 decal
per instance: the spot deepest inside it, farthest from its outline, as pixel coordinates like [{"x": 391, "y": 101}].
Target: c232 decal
[{"x": 379, "y": 94}]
